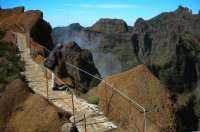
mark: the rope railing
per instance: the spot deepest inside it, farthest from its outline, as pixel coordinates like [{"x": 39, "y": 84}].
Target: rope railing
[{"x": 109, "y": 86}]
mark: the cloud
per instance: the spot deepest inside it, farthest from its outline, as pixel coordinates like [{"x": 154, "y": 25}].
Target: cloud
[{"x": 108, "y": 6}]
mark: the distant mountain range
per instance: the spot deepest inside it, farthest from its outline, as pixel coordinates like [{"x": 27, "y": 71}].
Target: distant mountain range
[
  {"x": 168, "y": 44},
  {"x": 108, "y": 40}
]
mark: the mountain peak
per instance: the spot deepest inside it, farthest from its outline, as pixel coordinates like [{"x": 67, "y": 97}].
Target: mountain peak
[
  {"x": 113, "y": 26},
  {"x": 182, "y": 9}
]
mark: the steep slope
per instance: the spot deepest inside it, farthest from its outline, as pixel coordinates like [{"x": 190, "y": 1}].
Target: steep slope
[
  {"x": 81, "y": 58},
  {"x": 169, "y": 44},
  {"x": 111, "y": 50},
  {"x": 142, "y": 86},
  {"x": 37, "y": 81},
  {"x": 22, "y": 110},
  {"x": 30, "y": 22},
  {"x": 10, "y": 65},
  {"x": 113, "y": 26},
  {"x": 63, "y": 34}
]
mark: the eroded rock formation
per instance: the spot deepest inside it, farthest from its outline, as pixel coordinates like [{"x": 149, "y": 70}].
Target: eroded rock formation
[
  {"x": 169, "y": 44},
  {"x": 81, "y": 58}
]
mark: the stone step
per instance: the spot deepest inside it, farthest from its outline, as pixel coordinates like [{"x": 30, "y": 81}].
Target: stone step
[{"x": 35, "y": 77}]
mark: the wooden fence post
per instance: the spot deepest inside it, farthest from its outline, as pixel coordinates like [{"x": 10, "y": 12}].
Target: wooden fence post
[
  {"x": 47, "y": 85},
  {"x": 75, "y": 81},
  {"x": 73, "y": 109},
  {"x": 106, "y": 99},
  {"x": 85, "y": 123}
]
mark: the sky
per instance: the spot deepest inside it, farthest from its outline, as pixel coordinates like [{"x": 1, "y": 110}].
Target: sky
[{"x": 87, "y": 12}]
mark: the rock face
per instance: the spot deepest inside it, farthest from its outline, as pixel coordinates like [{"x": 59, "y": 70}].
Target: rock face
[
  {"x": 169, "y": 45},
  {"x": 22, "y": 110},
  {"x": 113, "y": 26},
  {"x": 139, "y": 84},
  {"x": 112, "y": 52},
  {"x": 15, "y": 11},
  {"x": 59, "y": 34},
  {"x": 81, "y": 58},
  {"x": 29, "y": 22}
]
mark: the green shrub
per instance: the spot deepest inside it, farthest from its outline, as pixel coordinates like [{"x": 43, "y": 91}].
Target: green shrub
[
  {"x": 10, "y": 64},
  {"x": 93, "y": 101}
]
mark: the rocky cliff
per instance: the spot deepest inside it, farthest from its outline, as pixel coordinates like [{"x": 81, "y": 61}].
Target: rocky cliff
[
  {"x": 20, "y": 108},
  {"x": 113, "y": 26},
  {"x": 30, "y": 22},
  {"x": 65, "y": 34},
  {"x": 169, "y": 44},
  {"x": 81, "y": 58},
  {"x": 111, "y": 50}
]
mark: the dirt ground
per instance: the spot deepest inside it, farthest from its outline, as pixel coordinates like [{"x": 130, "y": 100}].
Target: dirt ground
[{"x": 23, "y": 110}]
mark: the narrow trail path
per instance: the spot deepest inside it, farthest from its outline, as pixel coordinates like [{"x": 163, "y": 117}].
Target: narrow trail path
[{"x": 35, "y": 76}]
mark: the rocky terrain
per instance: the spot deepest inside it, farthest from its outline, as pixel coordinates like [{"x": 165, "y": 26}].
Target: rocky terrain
[
  {"x": 169, "y": 45},
  {"x": 139, "y": 84},
  {"x": 37, "y": 32},
  {"x": 9, "y": 60},
  {"x": 83, "y": 59},
  {"x": 22, "y": 110},
  {"x": 112, "y": 26},
  {"x": 29, "y": 22},
  {"x": 108, "y": 40}
]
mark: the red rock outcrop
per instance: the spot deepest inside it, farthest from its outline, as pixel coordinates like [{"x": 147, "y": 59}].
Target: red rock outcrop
[
  {"x": 7, "y": 12},
  {"x": 30, "y": 22},
  {"x": 142, "y": 86}
]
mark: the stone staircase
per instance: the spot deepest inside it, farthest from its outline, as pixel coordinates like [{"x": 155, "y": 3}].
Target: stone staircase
[{"x": 35, "y": 76}]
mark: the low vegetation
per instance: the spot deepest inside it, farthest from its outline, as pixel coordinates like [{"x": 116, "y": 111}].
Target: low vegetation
[
  {"x": 10, "y": 63},
  {"x": 93, "y": 101}
]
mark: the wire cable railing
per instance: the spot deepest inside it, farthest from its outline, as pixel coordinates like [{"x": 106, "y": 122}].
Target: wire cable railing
[
  {"x": 107, "y": 84},
  {"x": 68, "y": 89}
]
